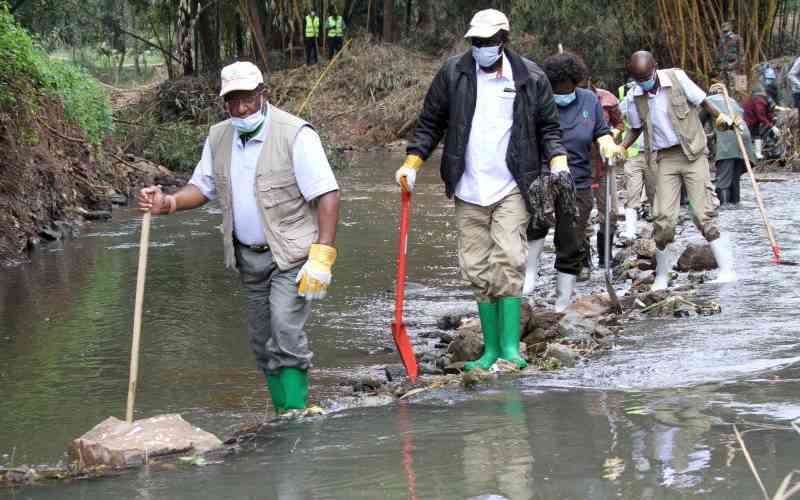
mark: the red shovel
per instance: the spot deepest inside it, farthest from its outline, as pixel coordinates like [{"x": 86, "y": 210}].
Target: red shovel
[{"x": 399, "y": 333}]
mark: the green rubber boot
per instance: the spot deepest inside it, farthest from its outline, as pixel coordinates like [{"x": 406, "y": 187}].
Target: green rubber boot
[
  {"x": 488, "y": 314},
  {"x": 510, "y": 308},
  {"x": 276, "y": 392},
  {"x": 295, "y": 386}
]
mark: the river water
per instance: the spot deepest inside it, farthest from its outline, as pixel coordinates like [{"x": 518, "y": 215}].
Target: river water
[{"x": 651, "y": 419}]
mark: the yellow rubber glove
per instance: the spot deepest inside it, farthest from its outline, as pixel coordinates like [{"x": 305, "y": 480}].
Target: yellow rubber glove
[
  {"x": 610, "y": 149},
  {"x": 406, "y": 175},
  {"x": 559, "y": 164},
  {"x": 315, "y": 275}
]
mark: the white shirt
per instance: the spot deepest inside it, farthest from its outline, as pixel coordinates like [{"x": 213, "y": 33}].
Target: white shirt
[
  {"x": 486, "y": 179},
  {"x": 311, "y": 168},
  {"x": 625, "y": 106},
  {"x": 664, "y": 135}
]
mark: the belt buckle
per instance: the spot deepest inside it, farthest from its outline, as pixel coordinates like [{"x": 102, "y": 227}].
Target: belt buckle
[{"x": 259, "y": 248}]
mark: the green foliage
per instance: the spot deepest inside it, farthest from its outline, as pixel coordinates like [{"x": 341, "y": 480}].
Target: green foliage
[
  {"x": 17, "y": 54},
  {"x": 23, "y": 64},
  {"x": 85, "y": 102},
  {"x": 176, "y": 145}
]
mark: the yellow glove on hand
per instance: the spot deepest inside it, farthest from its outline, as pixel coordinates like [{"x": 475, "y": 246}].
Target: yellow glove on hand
[
  {"x": 406, "y": 175},
  {"x": 609, "y": 149},
  {"x": 315, "y": 275},
  {"x": 558, "y": 164}
]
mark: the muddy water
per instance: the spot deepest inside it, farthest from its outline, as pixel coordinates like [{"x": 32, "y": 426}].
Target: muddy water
[{"x": 650, "y": 419}]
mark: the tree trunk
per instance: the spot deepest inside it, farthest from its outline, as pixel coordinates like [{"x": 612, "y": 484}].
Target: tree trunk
[
  {"x": 388, "y": 21},
  {"x": 250, "y": 9},
  {"x": 184, "y": 38},
  {"x": 119, "y": 66},
  {"x": 425, "y": 19},
  {"x": 209, "y": 47}
]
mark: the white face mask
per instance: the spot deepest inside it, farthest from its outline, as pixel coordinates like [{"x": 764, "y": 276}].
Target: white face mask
[
  {"x": 250, "y": 122},
  {"x": 486, "y": 56}
]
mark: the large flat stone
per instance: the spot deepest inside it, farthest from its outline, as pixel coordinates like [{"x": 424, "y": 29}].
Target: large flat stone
[{"x": 115, "y": 443}]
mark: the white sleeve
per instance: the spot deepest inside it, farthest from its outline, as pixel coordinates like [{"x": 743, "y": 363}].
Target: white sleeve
[
  {"x": 794, "y": 73},
  {"x": 694, "y": 94},
  {"x": 203, "y": 176},
  {"x": 311, "y": 168},
  {"x": 633, "y": 114}
]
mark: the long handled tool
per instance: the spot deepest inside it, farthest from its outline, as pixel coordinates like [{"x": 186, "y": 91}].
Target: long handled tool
[
  {"x": 612, "y": 294},
  {"x": 137, "y": 315},
  {"x": 776, "y": 250},
  {"x": 399, "y": 333}
]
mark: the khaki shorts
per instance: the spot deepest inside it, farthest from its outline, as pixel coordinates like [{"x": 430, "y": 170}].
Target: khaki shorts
[{"x": 492, "y": 247}]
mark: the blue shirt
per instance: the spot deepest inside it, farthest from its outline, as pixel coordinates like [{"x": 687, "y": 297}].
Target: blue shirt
[{"x": 582, "y": 122}]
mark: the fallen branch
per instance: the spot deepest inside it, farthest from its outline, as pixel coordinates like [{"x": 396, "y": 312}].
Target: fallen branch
[{"x": 59, "y": 134}]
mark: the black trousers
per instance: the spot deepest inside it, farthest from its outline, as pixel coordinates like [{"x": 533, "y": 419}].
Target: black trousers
[
  {"x": 311, "y": 50},
  {"x": 334, "y": 46},
  {"x": 570, "y": 240},
  {"x": 728, "y": 177}
]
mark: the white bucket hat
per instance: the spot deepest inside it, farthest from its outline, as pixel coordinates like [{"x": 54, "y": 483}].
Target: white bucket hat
[
  {"x": 240, "y": 76},
  {"x": 486, "y": 23}
]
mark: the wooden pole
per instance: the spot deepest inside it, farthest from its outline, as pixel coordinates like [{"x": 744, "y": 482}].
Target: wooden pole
[
  {"x": 137, "y": 315},
  {"x": 775, "y": 248}
]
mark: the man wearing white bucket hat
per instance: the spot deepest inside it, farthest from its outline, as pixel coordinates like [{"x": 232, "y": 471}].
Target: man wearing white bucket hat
[
  {"x": 280, "y": 206},
  {"x": 496, "y": 113}
]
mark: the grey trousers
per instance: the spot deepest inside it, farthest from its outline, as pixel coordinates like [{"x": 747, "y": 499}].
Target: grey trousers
[{"x": 276, "y": 315}]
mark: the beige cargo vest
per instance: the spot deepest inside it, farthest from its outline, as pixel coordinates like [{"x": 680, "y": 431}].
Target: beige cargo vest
[
  {"x": 684, "y": 117},
  {"x": 289, "y": 221}
]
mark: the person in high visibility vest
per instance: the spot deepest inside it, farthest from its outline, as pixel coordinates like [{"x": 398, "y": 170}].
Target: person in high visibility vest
[
  {"x": 638, "y": 175},
  {"x": 335, "y": 32},
  {"x": 311, "y": 34}
]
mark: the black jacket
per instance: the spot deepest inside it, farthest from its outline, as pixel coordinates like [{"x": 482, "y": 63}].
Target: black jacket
[{"x": 450, "y": 105}]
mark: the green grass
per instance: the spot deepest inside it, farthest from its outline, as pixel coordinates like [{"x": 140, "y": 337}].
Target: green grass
[{"x": 27, "y": 73}]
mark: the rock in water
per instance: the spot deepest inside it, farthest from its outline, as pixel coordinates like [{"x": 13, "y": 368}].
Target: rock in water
[
  {"x": 590, "y": 306},
  {"x": 468, "y": 344},
  {"x": 115, "y": 443},
  {"x": 575, "y": 328},
  {"x": 697, "y": 258},
  {"x": 645, "y": 249}
]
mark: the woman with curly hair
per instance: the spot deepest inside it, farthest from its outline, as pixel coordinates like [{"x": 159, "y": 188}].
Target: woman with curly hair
[{"x": 582, "y": 123}]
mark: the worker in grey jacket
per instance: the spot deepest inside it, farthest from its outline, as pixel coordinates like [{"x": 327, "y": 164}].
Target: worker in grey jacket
[{"x": 794, "y": 81}]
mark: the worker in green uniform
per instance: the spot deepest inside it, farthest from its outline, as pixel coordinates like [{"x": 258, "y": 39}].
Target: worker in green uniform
[
  {"x": 335, "y": 26},
  {"x": 311, "y": 34}
]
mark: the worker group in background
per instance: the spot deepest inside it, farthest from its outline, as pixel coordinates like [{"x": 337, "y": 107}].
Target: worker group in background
[{"x": 334, "y": 27}]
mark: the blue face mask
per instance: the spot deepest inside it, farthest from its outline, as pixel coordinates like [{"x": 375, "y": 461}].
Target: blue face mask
[
  {"x": 649, "y": 84},
  {"x": 563, "y": 100},
  {"x": 486, "y": 56},
  {"x": 249, "y": 123}
]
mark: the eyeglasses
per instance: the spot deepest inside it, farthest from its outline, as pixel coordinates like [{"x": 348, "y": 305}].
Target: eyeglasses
[{"x": 247, "y": 100}]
